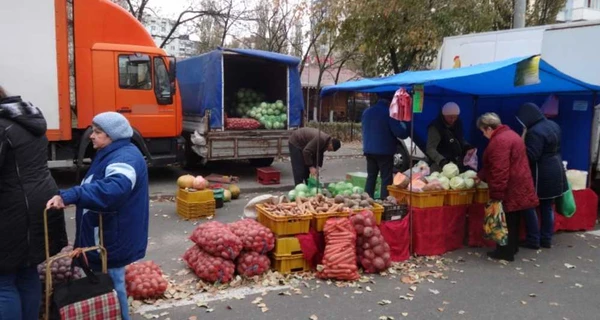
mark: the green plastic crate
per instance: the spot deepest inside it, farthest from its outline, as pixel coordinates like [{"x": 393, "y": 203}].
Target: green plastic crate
[{"x": 359, "y": 179}]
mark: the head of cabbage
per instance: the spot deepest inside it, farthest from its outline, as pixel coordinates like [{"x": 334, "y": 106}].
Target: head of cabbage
[
  {"x": 457, "y": 183},
  {"x": 445, "y": 182},
  {"x": 450, "y": 170}
]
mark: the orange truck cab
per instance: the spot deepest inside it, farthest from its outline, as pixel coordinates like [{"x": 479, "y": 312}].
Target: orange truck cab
[{"x": 75, "y": 59}]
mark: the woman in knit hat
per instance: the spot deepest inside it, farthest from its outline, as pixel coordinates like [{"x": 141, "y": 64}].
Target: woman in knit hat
[
  {"x": 116, "y": 187},
  {"x": 445, "y": 139}
]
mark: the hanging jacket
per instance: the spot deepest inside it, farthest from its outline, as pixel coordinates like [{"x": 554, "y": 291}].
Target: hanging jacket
[
  {"x": 543, "y": 150},
  {"x": 380, "y": 132},
  {"x": 506, "y": 170},
  {"x": 25, "y": 187},
  {"x": 116, "y": 186},
  {"x": 311, "y": 143}
]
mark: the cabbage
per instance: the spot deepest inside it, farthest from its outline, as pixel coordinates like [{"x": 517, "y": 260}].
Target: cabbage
[
  {"x": 434, "y": 174},
  {"x": 445, "y": 182},
  {"x": 349, "y": 185},
  {"x": 301, "y": 194},
  {"x": 313, "y": 191},
  {"x": 457, "y": 183},
  {"x": 292, "y": 195},
  {"x": 301, "y": 188},
  {"x": 482, "y": 185},
  {"x": 470, "y": 174},
  {"x": 357, "y": 190},
  {"x": 469, "y": 183},
  {"x": 450, "y": 170},
  {"x": 430, "y": 179}
]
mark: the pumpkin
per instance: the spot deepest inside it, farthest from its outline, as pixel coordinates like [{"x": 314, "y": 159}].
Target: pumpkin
[
  {"x": 226, "y": 195},
  {"x": 401, "y": 181},
  {"x": 200, "y": 183},
  {"x": 185, "y": 181},
  {"x": 235, "y": 191}
]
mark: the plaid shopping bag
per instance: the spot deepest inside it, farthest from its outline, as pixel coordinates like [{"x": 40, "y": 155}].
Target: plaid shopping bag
[{"x": 494, "y": 226}]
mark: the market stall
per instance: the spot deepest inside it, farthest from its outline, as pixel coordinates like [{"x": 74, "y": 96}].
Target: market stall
[{"x": 499, "y": 87}]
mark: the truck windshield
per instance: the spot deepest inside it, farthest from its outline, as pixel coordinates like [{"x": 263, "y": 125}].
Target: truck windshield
[{"x": 162, "y": 84}]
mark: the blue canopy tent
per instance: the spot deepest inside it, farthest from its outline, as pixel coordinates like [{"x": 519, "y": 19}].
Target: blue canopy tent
[{"x": 491, "y": 88}]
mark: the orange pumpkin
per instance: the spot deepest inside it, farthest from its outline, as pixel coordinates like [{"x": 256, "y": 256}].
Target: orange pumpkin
[{"x": 185, "y": 181}]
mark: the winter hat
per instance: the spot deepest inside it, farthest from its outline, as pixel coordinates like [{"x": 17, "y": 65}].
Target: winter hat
[
  {"x": 114, "y": 124},
  {"x": 336, "y": 144},
  {"x": 451, "y": 109}
]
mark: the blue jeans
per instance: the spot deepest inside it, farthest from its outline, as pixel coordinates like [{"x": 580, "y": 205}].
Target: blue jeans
[
  {"x": 543, "y": 235},
  {"x": 20, "y": 295},
  {"x": 118, "y": 277}
]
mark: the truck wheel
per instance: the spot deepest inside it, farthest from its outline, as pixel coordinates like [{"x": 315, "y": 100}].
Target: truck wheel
[
  {"x": 262, "y": 162},
  {"x": 401, "y": 158}
]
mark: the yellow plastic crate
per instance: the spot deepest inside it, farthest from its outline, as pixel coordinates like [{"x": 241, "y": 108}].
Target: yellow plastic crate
[
  {"x": 422, "y": 200},
  {"x": 195, "y": 196},
  {"x": 459, "y": 197},
  {"x": 377, "y": 212},
  {"x": 287, "y": 246},
  {"x": 195, "y": 210},
  {"x": 283, "y": 226},
  {"x": 289, "y": 264},
  {"x": 319, "y": 220},
  {"x": 482, "y": 196}
]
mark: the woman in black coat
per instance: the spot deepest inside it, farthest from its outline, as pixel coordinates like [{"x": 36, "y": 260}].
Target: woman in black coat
[
  {"x": 25, "y": 187},
  {"x": 542, "y": 138}
]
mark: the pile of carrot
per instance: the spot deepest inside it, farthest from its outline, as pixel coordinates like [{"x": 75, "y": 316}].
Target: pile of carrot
[{"x": 339, "y": 260}]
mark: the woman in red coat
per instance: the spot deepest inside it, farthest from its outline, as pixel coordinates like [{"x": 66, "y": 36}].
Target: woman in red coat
[{"x": 506, "y": 170}]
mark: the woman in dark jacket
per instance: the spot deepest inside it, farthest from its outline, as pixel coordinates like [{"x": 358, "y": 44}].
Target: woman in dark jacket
[
  {"x": 445, "y": 139},
  {"x": 25, "y": 187},
  {"x": 506, "y": 170},
  {"x": 542, "y": 139}
]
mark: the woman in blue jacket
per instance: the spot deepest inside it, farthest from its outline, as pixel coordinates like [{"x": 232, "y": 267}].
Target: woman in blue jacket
[
  {"x": 116, "y": 187},
  {"x": 542, "y": 139}
]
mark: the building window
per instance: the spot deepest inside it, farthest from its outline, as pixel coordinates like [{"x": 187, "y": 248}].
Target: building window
[{"x": 135, "y": 72}]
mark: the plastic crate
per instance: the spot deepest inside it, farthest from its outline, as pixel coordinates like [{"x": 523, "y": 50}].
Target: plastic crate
[
  {"x": 195, "y": 196},
  {"x": 422, "y": 200},
  {"x": 394, "y": 212},
  {"x": 377, "y": 212},
  {"x": 268, "y": 175},
  {"x": 195, "y": 210},
  {"x": 283, "y": 226},
  {"x": 459, "y": 197},
  {"x": 289, "y": 264},
  {"x": 318, "y": 221},
  {"x": 286, "y": 246},
  {"x": 481, "y": 196}
]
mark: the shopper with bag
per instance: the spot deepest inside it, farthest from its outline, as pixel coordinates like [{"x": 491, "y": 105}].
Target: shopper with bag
[
  {"x": 25, "y": 186},
  {"x": 506, "y": 170},
  {"x": 380, "y": 135},
  {"x": 306, "y": 145},
  {"x": 445, "y": 139},
  {"x": 116, "y": 187},
  {"x": 542, "y": 139}
]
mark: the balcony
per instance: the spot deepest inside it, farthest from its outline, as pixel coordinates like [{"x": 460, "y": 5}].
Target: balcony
[{"x": 580, "y": 10}]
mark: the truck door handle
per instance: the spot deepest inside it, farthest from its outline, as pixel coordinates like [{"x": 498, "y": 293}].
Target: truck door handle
[{"x": 124, "y": 110}]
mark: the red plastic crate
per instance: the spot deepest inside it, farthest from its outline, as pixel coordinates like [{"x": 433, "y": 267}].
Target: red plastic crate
[{"x": 268, "y": 175}]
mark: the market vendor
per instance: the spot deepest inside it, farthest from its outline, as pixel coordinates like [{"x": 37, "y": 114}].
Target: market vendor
[
  {"x": 305, "y": 145},
  {"x": 445, "y": 139}
]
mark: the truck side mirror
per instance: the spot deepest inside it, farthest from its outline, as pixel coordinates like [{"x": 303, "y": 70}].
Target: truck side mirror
[{"x": 173, "y": 73}]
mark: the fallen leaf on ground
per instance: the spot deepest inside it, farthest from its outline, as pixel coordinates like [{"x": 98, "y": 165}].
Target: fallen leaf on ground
[
  {"x": 554, "y": 303},
  {"x": 441, "y": 309},
  {"x": 257, "y": 300},
  {"x": 461, "y": 312},
  {"x": 578, "y": 285},
  {"x": 405, "y": 314},
  {"x": 523, "y": 302},
  {"x": 209, "y": 310},
  {"x": 265, "y": 309},
  {"x": 313, "y": 317},
  {"x": 193, "y": 318},
  {"x": 368, "y": 289},
  {"x": 569, "y": 266},
  {"x": 285, "y": 293},
  {"x": 413, "y": 288},
  {"x": 326, "y": 296},
  {"x": 434, "y": 291},
  {"x": 533, "y": 295},
  {"x": 384, "y": 302}
]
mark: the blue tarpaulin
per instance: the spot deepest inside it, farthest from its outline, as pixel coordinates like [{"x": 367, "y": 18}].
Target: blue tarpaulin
[
  {"x": 491, "y": 88},
  {"x": 200, "y": 81}
]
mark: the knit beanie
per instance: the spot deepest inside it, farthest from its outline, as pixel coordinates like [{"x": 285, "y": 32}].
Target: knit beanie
[
  {"x": 451, "y": 109},
  {"x": 114, "y": 124},
  {"x": 336, "y": 144}
]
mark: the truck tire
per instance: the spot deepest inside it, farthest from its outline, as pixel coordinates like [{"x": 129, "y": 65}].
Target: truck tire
[{"x": 262, "y": 162}]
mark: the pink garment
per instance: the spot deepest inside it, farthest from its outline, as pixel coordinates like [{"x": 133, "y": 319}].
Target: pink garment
[{"x": 400, "y": 108}]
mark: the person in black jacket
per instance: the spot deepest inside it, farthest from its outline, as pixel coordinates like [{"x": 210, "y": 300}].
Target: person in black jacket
[
  {"x": 445, "y": 139},
  {"x": 25, "y": 187},
  {"x": 542, "y": 138}
]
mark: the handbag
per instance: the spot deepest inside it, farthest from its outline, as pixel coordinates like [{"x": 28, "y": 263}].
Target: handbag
[
  {"x": 494, "y": 226},
  {"x": 565, "y": 204},
  {"x": 91, "y": 297}
]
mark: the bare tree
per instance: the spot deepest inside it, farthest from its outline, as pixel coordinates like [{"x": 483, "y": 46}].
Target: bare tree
[{"x": 274, "y": 22}]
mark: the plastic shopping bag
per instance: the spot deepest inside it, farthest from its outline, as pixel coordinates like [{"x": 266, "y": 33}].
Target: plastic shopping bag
[
  {"x": 565, "y": 204},
  {"x": 494, "y": 225},
  {"x": 471, "y": 159}
]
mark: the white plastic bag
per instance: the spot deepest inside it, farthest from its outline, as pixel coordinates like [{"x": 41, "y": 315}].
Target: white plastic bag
[{"x": 250, "y": 208}]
